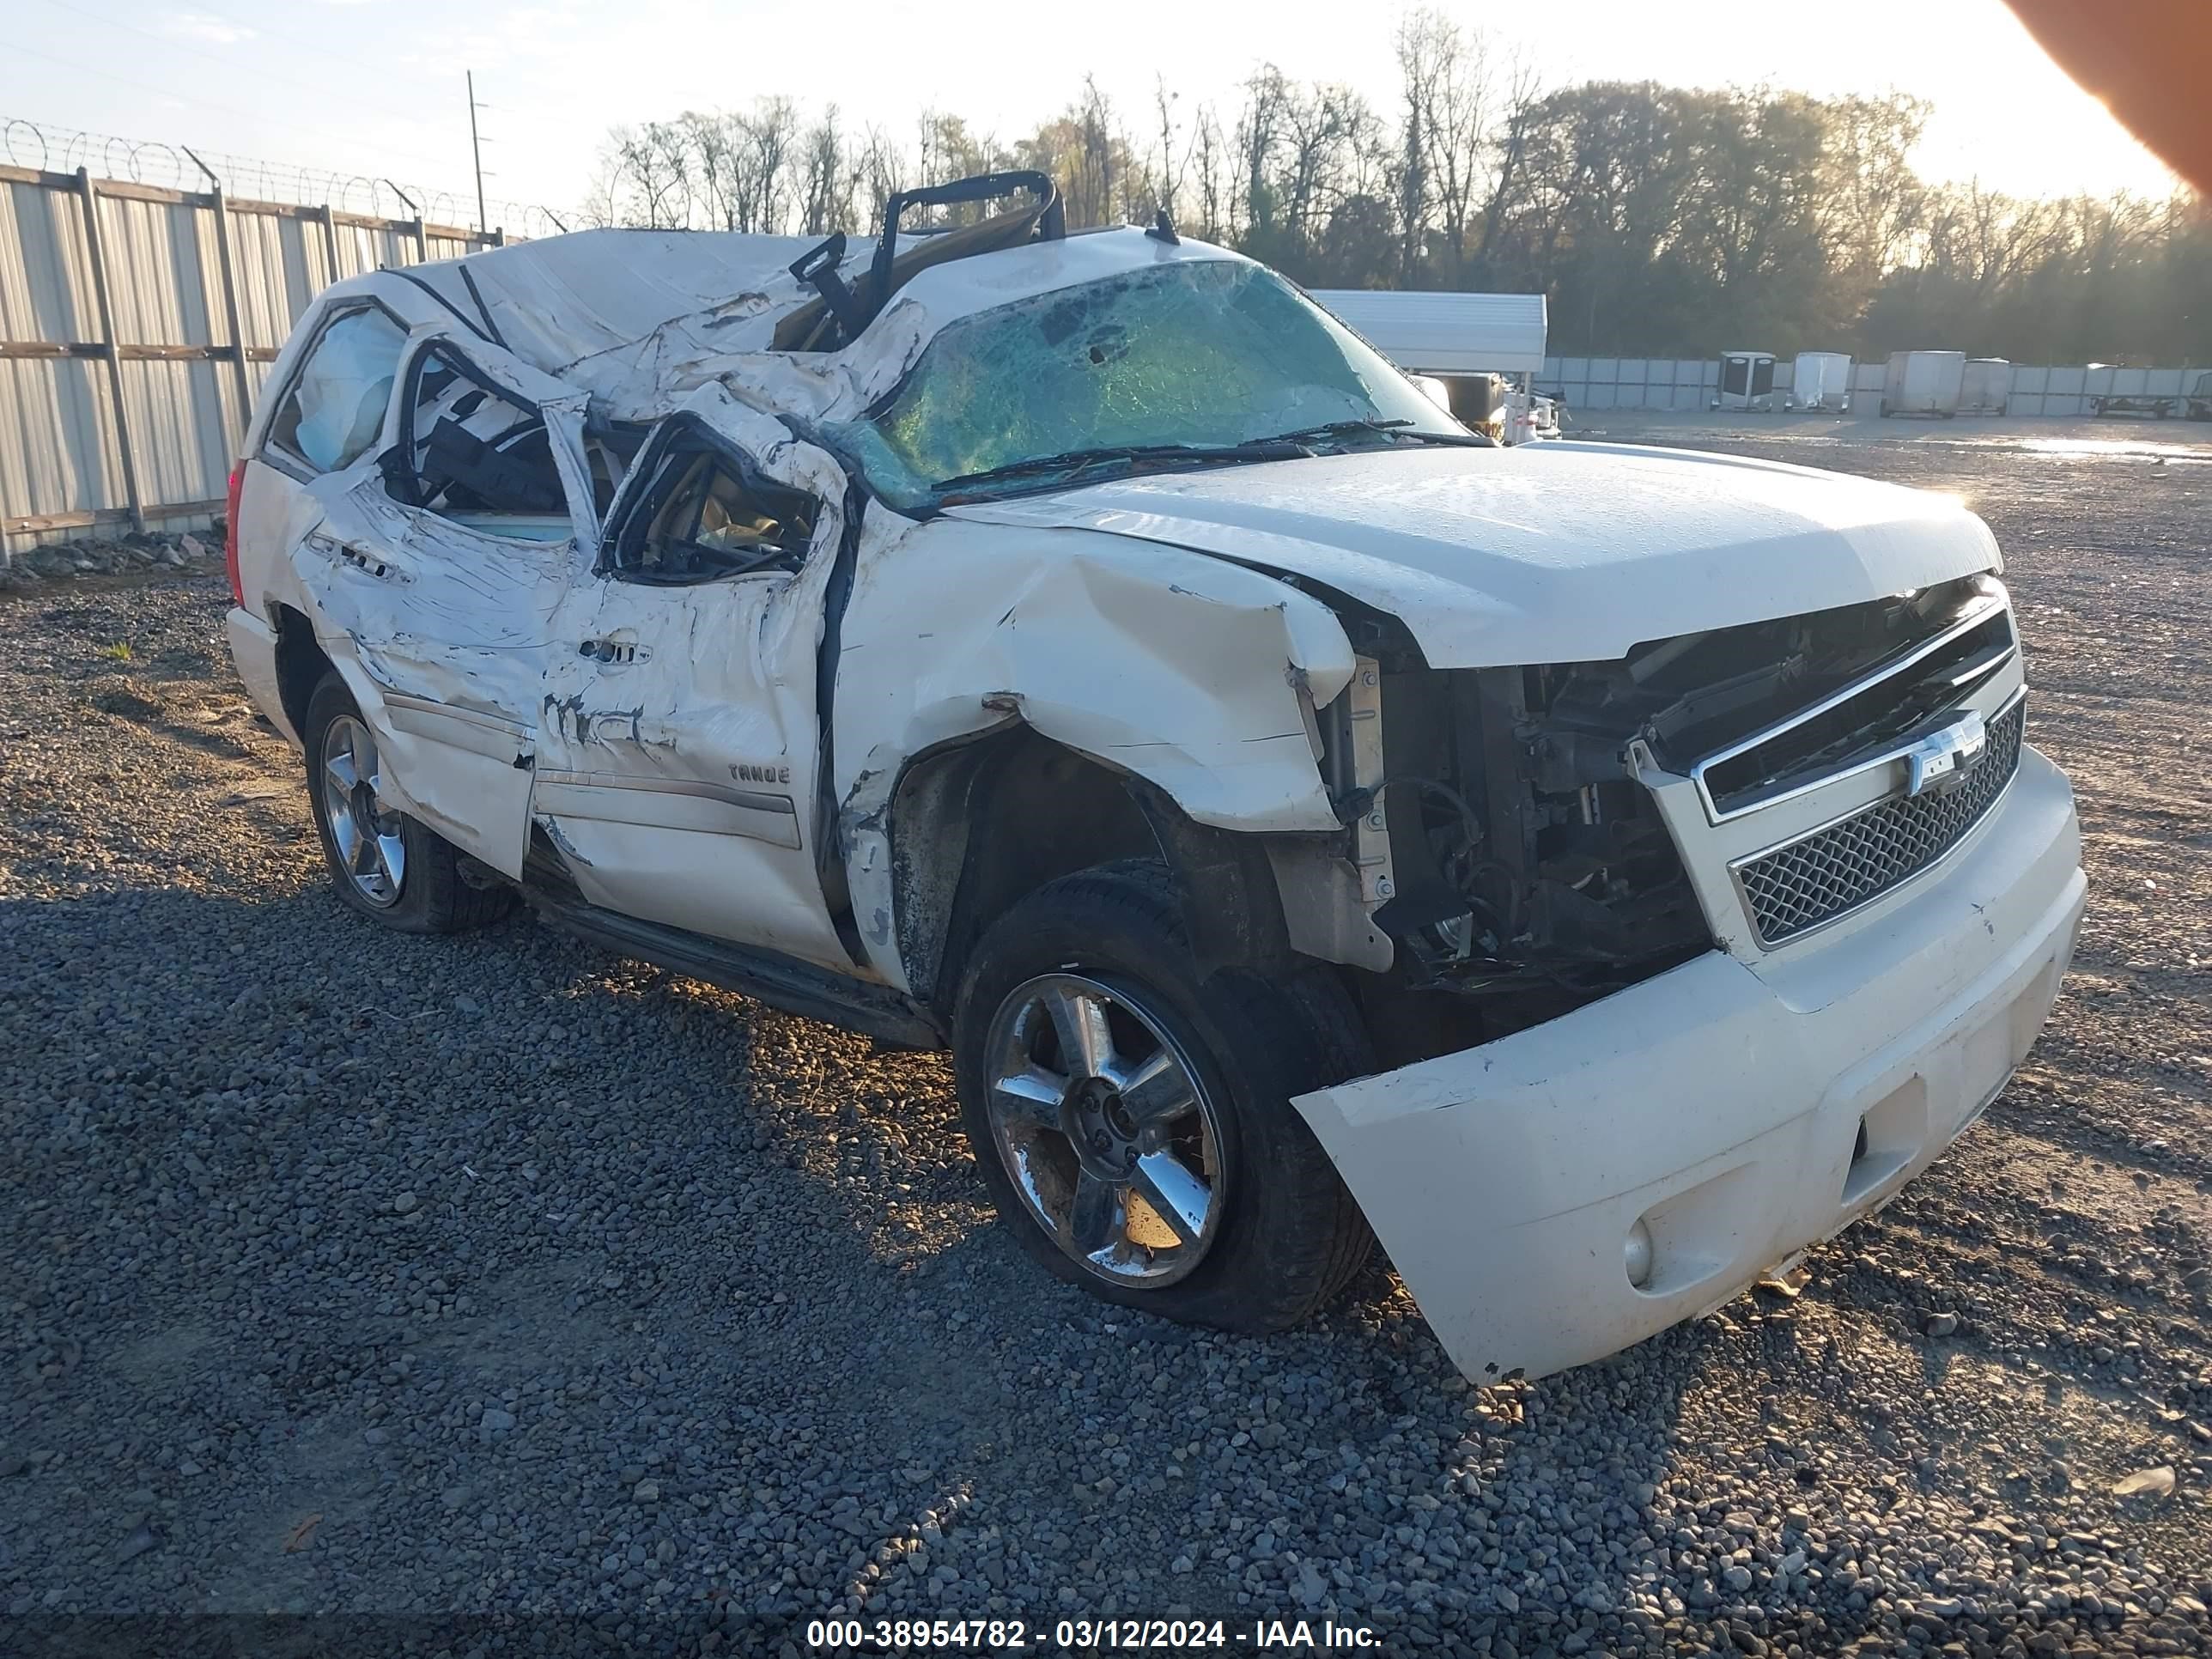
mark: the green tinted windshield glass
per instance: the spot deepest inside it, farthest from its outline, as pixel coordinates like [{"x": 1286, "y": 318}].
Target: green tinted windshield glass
[{"x": 1201, "y": 353}]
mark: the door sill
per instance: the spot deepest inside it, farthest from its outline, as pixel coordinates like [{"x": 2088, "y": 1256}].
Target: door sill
[{"x": 780, "y": 981}]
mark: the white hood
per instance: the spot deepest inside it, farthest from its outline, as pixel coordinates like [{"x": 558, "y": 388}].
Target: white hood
[{"x": 1547, "y": 552}]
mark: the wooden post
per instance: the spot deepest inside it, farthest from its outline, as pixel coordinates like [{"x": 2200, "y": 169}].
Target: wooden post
[
  {"x": 231, "y": 317},
  {"x": 96, "y": 248},
  {"x": 331, "y": 242}
]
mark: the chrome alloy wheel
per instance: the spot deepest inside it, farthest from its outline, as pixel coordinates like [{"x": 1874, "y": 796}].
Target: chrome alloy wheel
[
  {"x": 365, "y": 832},
  {"x": 1106, "y": 1130}
]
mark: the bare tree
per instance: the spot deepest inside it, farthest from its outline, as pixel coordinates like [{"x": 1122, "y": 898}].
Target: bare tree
[
  {"x": 651, "y": 181},
  {"x": 880, "y": 172},
  {"x": 825, "y": 179},
  {"x": 1259, "y": 132},
  {"x": 1417, "y": 71},
  {"x": 1168, "y": 183},
  {"x": 1209, "y": 155},
  {"x": 767, "y": 137},
  {"x": 1872, "y": 203},
  {"x": 1451, "y": 81},
  {"x": 1657, "y": 219},
  {"x": 1523, "y": 93}
]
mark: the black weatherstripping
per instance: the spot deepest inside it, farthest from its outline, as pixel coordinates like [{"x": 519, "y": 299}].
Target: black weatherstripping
[
  {"x": 460, "y": 316},
  {"x": 829, "y": 842},
  {"x": 469, "y": 277}
]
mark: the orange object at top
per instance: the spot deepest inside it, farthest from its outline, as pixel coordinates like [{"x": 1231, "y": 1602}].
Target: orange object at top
[{"x": 2149, "y": 61}]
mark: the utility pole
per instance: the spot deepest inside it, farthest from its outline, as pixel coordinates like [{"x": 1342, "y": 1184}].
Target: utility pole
[{"x": 475, "y": 149}]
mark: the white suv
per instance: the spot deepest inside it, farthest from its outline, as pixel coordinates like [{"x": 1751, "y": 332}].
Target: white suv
[{"x": 1601, "y": 872}]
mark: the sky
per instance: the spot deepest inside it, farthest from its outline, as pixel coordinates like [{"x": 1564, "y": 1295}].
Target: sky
[{"x": 375, "y": 88}]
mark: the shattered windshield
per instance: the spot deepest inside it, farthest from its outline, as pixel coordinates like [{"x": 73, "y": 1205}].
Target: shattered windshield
[{"x": 1180, "y": 361}]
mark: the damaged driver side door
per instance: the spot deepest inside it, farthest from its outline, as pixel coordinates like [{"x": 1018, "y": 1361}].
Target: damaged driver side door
[
  {"x": 444, "y": 560},
  {"x": 678, "y": 768}
]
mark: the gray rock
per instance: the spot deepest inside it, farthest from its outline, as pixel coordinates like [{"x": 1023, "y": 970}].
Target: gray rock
[{"x": 742, "y": 1259}]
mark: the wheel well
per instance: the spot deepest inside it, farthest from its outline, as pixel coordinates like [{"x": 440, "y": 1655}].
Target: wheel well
[
  {"x": 975, "y": 827},
  {"x": 300, "y": 666}
]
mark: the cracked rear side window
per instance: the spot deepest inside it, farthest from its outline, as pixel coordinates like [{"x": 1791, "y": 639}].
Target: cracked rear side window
[
  {"x": 335, "y": 408},
  {"x": 1199, "y": 352}
]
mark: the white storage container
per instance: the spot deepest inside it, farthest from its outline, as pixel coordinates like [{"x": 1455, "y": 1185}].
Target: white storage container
[
  {"x": 1986, "y": 387},
  {"x": 1923, "y": 383},
  {"x": 1820, "y": 380}
]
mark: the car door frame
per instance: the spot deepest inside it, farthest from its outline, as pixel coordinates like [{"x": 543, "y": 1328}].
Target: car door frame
[
  {"x": 791, "y": 855},
  {"x": 459, "y": 742}
]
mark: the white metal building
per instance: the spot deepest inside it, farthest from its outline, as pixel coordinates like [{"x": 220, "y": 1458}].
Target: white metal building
[{"x": 1428, "y": 333}]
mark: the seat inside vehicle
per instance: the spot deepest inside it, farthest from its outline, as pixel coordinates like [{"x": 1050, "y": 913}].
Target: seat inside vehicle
[
  {"x": 704, "y": 518},
  {"x": 472, "y": 455}
]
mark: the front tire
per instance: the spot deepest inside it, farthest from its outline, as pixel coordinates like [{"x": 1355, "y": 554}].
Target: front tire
[
  {"x": 1132, "y": 1117},
  {"x": 382, "y": 862}
]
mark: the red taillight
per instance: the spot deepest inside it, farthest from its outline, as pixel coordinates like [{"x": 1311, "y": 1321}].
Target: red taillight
[{"x": 230, "y": 533}]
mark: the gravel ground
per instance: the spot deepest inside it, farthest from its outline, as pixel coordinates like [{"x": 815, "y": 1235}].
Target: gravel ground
[{"x": 497, "y": 1290}]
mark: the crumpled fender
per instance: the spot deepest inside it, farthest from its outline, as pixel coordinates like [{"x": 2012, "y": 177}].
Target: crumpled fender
[{"x": 1178, "y": 668}]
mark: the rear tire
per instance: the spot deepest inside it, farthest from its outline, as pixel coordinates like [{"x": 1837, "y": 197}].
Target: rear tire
[
  {"x": 1268, "y": 1234},
  {"x": 382, "y": 862}
]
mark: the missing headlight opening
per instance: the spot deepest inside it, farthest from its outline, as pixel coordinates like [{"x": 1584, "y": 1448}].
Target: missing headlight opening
[{"x": 1530, "y": 869}]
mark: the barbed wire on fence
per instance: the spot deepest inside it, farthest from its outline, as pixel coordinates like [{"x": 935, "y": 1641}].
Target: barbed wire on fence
[{"x": 51, "y": 148}]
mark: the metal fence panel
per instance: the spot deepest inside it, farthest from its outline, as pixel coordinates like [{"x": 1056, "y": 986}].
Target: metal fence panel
[
  {"x": 123, "y": 396},
  {"x": 1687, "y": 384},
  {"x": 58, "y": 444}
]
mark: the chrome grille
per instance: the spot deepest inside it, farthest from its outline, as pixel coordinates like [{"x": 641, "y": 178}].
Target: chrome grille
[{"x": 1831, "y": 871}]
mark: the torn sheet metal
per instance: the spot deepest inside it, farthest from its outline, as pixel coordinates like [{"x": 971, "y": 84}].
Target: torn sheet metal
[
  {"x": 1545, "y": 552},
  {"x": 679, "y": 772},
  {"x": 1176, "y": 668},
  {"x": 638, "y": 320}
]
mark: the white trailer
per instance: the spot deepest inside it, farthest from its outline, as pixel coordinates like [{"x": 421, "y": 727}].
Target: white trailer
[
  {"x": 1820, "y": 380},
  {"x": 1923, "y": 383},
  {"x": 1747, "y": 380},
  {"x": 1458, "y": 339},
  {"x": 1428, "y": 333},
  {"x": 1986, "y": 387}
]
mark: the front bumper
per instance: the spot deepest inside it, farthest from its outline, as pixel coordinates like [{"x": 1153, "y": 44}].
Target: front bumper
[{"x": 1721, "y": 1103}]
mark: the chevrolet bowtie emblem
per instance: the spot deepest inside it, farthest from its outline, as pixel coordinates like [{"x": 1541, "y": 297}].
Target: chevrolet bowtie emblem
[{"x": 1939, "y": 763}]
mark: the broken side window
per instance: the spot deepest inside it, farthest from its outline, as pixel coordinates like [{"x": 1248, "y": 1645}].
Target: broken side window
[
  {"x": 334, "y": 408},
  {"x": 474, "y": 455},
  {"x": 704, "y": 518}
]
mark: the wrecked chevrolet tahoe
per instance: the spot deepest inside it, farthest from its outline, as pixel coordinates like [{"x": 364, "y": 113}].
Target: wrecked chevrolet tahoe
[{"x": 1598, "y": 873}]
